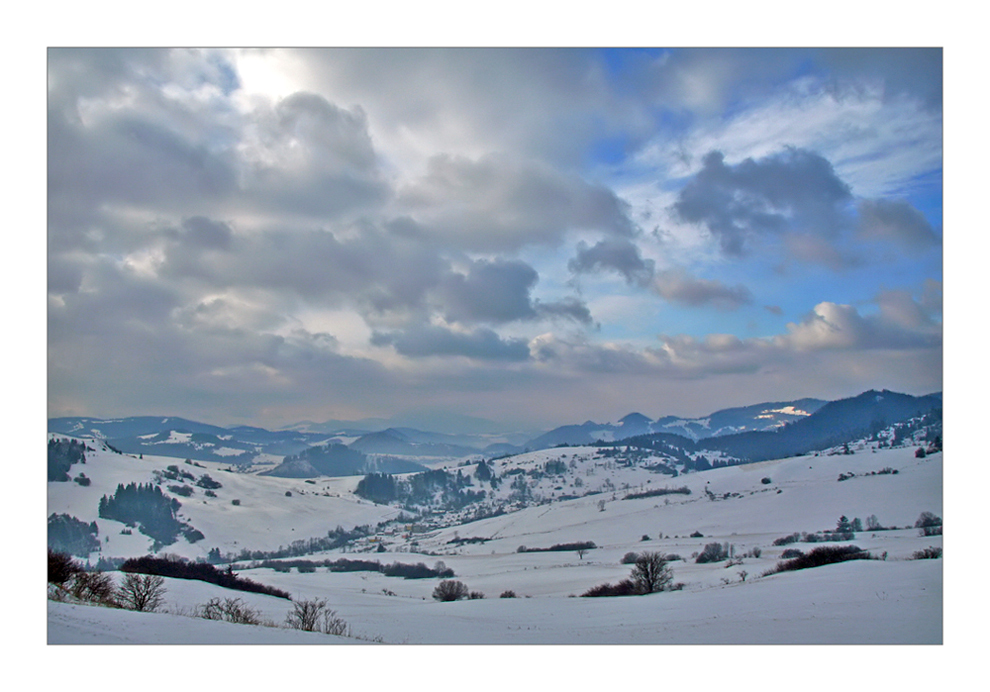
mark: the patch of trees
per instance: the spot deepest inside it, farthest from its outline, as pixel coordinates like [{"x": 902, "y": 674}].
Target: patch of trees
[
  {"x": 826, "y": 555},
  {"x": 62, "y": 454},
  {"x": 396, "y": 569},
  {"x": 146, "y": 506},
  {"x": 683, "y": 490},
  {"x": 335, "y": 538},
  {"x": 178, "y": 568},
  {"x": 208, "y": 483},
  {"x": 559, "y": 547},
  {"x": 438, "y": 488},
  {"x": 70, "y": 535}
]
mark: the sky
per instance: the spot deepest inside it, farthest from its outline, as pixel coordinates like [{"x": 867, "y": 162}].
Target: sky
[{"x": 532, "y": 237}]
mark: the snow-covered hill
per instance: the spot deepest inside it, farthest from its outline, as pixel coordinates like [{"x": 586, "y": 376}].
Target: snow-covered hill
[{"x": 893, "y": 600}]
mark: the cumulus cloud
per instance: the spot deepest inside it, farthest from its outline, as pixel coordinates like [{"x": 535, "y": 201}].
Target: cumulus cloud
[{"x": 791, "y": 191}]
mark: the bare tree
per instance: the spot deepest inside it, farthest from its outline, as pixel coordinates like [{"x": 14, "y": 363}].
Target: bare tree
[
  {"x": 651, "y": 573},
  {"x": 144, "y": 592}
]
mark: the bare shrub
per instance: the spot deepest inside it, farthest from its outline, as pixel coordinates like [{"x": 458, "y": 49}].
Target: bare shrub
[
  {"x": 476, "y": 595},
  {"x": 929, "y": 553},
  {"x": 229, "y": 610},
  {"x": 306, "y": 615},
  {"x": 508, "y": 593},
  {"x": 61, "y": 567},
  {"x": 95, "y": 587},
  {"x": 331, "y": 623},
  {"x": 145, "y": 593},
  {"x": 629, "y": 559},
  {"x": 450, "y": 590}
]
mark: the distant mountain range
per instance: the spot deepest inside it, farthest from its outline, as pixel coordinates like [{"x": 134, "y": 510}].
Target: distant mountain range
[
  {"x": 760, "y": 431},
  {"x": 766, "y": 416}
]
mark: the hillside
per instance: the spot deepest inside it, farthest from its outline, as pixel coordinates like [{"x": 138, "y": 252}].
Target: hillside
[{"x": 733, "y": 505}]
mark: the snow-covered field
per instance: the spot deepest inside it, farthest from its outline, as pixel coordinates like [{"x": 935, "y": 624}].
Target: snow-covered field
[{"x": 891, "y": 601}]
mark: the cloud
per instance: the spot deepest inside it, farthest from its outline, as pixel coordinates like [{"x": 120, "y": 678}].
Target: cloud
[
  {"x": 895, "y": 220},
  {"x": 432, "y": 340},
  {"x": 793, "y": 191},
  {"x": 615, "y": 254},
  {"x": 578, "y": 354},
  {"x": 496, "y": 204},
  {"x": 495, "y": 291},
  {"x": 900, "y": 324},
  {"x": 677, "y": 286}
]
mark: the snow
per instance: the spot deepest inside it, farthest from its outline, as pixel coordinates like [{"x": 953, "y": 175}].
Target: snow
[{"x": 894, "y": 601}]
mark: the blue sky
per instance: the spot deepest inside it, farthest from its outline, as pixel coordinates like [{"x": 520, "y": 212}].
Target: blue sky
[{"x": 534, "y": 237}]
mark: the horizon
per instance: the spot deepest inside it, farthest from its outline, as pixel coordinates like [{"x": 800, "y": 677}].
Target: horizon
[
  {"x": 522, "y": 236},
  {"x": 447, "y": 425}
]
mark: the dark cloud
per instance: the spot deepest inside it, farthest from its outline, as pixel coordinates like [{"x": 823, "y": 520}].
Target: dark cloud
[
  {"x": 432, "y": 340},
  {"x": 490, "y": 292},
  {"x": 568, "y": 308},
  {"x": 916, "y": 72},
  {"x": 895, "y": 220},
  {"x": 498, "y": 292},
  {"x": 794, "y": 191},
  {"x": 615, "y": 254}
]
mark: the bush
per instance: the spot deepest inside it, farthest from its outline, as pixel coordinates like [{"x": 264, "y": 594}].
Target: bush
[
  {"x": 787, "y": 540},
  {"x": 713, "y": 552},
  {"x": 449, "y": 590},
  {"x": 766, "y": 481},
  {"x": 930, "y": 524},
  {"x": 929, "y": 553},
  {"x": 790, "y": 553},
  {"x": 508, "y": 593},
  {"x": 145, "y": 593},
  {"x": 626, "y": 587},
  {"x": 629, "y": 559},
  {"x": 697, "y": 534},
  {"x": 476, "y": 595},
  {"x": 825, "y": 555}
]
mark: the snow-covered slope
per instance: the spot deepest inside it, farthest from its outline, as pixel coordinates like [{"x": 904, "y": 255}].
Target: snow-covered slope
[{"x": 897, "y": 600}]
